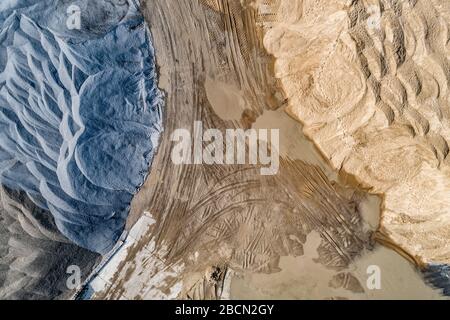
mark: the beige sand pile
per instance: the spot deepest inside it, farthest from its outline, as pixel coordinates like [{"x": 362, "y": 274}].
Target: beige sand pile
[{"x": 370, "y": 81}]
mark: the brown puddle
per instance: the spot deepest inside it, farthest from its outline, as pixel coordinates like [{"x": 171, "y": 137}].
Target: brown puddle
[{"x": 303, "y": 278}]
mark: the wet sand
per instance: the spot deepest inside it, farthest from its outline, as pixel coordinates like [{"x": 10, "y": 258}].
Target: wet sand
[{"x": 303, "y": 278}]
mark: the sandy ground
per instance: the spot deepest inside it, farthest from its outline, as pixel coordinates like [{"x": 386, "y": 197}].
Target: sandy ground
[
  {"x": 303, "y": 278},
  {"x": 227, "y": 231}
]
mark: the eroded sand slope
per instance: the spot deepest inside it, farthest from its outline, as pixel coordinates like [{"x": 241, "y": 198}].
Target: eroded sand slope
[
  {"x": 372, "y": 89},
  {"x": 34, "y": 256}
]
